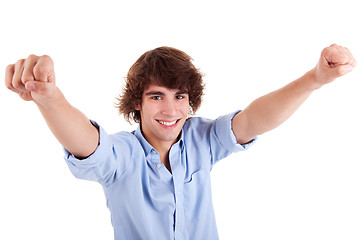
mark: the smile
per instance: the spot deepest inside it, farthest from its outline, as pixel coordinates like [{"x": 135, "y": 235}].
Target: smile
[{"x": 168, "y": 123}]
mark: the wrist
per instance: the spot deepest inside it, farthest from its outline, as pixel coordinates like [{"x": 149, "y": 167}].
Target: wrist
[
  {"x": 312, "y": 80},
  {"x": 53, "y": 99}
]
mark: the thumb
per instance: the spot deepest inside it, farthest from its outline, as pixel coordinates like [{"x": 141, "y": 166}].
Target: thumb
[
  {"x": 37, "y": 86},
  {"x": 344, "y": 69},
  {"x": 340, "y": 70}
]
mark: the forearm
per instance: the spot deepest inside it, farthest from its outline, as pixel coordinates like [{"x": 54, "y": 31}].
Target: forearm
[
  {"x": 71, "y": 127},
  {"x": 33, "y": 79},
  {"x": 271, "y": 110}
]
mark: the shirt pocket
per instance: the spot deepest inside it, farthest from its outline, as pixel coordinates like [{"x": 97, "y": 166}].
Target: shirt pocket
[{"x": 197, "y": 196}]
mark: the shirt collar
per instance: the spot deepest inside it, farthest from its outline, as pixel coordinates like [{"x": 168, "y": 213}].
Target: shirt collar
[{"x": 148, "y": 148}]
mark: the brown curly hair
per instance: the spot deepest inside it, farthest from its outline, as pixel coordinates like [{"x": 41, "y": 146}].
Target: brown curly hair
[{"x": 163, "y": 66}]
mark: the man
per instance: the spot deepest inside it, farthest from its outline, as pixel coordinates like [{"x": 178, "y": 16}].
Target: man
[{"x": 156, "y": 179}]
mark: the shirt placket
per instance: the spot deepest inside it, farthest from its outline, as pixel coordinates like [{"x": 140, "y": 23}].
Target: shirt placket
[
  {"x": 165, "y": 176},
  {"x": 178, "y": 181}
]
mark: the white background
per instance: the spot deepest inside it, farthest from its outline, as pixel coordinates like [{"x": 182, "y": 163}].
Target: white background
[{"x": 300, "y": 181}]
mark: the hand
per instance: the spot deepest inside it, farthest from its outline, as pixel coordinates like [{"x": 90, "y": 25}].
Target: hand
[
  {"x": 335, "y": 61},
  {"x": 32, "y": 78}
]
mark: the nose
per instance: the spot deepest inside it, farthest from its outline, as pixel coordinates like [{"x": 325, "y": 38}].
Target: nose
[{"x": 169, "y": 107}]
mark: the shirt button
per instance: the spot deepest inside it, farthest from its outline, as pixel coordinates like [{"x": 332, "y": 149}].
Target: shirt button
[{"x": 158, "y": 165}]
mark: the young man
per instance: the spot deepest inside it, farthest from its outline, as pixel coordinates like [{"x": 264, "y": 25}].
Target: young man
[{"x": 156, "y": 178}]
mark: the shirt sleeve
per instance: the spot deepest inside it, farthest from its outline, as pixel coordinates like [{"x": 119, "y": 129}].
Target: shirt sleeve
[
  {"x": 222, "y": 139},
  {"x": 107, "y": 163}
]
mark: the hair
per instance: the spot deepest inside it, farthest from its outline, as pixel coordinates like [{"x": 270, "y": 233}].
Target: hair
[{"x": 164, "y": 66}]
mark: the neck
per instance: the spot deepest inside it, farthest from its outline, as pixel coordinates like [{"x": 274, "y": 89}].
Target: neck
[{"x": 163, "y": 150}]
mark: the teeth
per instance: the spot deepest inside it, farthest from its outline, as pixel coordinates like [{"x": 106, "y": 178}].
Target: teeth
[{"x": 167, "y": 123}]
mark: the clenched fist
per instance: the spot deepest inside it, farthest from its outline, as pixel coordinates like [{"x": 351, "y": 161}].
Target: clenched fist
[
  {"x": 335, "y": 61},
  {"x": 32, "y": 78}
]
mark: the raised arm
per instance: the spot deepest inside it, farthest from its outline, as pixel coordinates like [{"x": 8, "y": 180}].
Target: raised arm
[
  {"x": 34, "y": 80},
  {"x": 271, "y": 110}
]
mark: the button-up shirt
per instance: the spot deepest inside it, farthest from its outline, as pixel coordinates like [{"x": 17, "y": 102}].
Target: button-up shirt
[{"x": 146, "y": 201}]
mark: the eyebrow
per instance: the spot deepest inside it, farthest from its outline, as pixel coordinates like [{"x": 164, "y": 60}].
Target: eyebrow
[
  {"x": 154, "y": 93},
  {"x": 161, "y": 93}
]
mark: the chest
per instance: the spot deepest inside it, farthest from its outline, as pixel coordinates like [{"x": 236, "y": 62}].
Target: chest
[{"x": 148, "y": 188}]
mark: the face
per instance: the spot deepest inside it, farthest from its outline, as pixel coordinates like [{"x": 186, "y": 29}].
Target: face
[{"x": 163, "y": 114}]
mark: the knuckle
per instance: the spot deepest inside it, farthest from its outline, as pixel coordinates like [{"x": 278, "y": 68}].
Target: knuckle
[
  {"x": 10, "y": 68},
  {"x": 46, "y": 58},
  {"x": 26, "y": 77},
  {"x": 43, "y": 68},
  {"x": 325, "y": 51},
  {"x": 17, "y": 84},
  {"x": 32, "y": 57},
  {"x": 40, "y": 71},
  {"x": 9, "y": 85},
  {"x": 19, "y": 62}
]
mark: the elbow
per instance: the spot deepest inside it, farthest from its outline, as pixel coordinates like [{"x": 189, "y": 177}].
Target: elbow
[
  {"x": 84, "y": 149},
  {"x": 242, "y": 128}
]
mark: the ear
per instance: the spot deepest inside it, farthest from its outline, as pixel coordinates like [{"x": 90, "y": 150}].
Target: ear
[{"x": 137, "y": 107}]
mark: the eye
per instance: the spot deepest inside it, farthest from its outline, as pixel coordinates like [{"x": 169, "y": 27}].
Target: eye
[
  {"x": 179, "y": 97},
  {"x": 156, "y": 98}
]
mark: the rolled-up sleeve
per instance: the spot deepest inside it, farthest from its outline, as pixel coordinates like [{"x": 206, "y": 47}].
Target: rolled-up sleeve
[
  {"x": 226, "y": 135},
  {"x": 105, "y": 165},
  {"x": 222, "y": 138}
]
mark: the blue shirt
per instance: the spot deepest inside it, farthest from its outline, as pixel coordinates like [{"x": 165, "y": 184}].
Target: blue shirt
[{"x": 146, "y": 201}]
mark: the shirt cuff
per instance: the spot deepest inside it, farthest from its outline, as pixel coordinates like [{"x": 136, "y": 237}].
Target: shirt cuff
[
  {"x": 93, "y": 159},
  {"x": 226, "y": 135}
]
